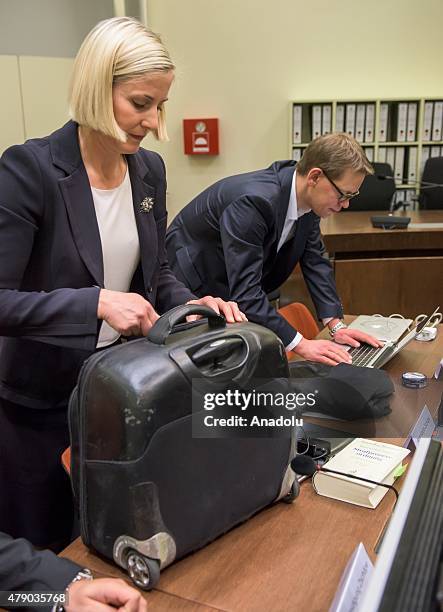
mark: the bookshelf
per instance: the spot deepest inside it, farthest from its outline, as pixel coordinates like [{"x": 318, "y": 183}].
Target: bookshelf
[{"x": 402, "y": 132}]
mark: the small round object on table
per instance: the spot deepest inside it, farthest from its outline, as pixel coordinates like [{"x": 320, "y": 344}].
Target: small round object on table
[{"x": 414, "y": 380}]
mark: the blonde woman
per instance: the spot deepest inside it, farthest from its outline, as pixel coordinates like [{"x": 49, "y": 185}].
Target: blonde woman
[{"x": 82, "y": 261}]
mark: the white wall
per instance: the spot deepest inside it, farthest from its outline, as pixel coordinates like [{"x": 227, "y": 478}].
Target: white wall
[
  {"x": 34, "y": 101},
  {"x": 244, "y": 60},
  {"x": 12, "y": 128},
  {"x": 45, "y": 84},
  {"x": 51, "y": 28}
]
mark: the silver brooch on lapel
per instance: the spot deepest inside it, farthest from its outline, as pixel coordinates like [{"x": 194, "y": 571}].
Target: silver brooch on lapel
[{"x": 146, "y": 205}]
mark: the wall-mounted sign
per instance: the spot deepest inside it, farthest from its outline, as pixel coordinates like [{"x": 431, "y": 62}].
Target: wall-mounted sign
[{"x": 200, "y": 136}]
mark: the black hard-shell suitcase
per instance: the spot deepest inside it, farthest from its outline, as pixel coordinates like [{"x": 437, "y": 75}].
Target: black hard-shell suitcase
[{"x": 148, "y": 491}]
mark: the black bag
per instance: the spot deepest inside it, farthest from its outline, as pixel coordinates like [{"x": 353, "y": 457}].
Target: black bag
[
  {"x": 148, "y": 492},
  {"x": 343, "y": 391}
]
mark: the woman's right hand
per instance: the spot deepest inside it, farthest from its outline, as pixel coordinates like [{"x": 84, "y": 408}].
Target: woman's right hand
[{"x": 128, "y": 313}]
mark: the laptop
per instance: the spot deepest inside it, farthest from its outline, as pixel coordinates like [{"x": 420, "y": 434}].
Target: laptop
[
  {"x": 367, "y": 356},
  {"x": 387, "y": 329}
]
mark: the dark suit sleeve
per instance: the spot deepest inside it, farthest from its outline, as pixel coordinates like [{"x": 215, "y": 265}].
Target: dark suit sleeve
[
  {"x": 170, "y": 291},
  {"x": 22, "y": 568},
  {"x": 319, "y": 276},
  {"x": 244, "y": 228},
  {"x": 65, "y": 316}
]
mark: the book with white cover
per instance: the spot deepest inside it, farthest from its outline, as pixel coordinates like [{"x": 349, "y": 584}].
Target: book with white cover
[
  {"x": 390, "y": 157},
  {"x": 340, "y": 118},
  {"x": 369, "y": 125},
  {"x": 399, "y": 164},
  {"x": 326, "y": 119},
  {"x": 316, "y": 121},
  {"x": 402, "y": 113},
  {"x": 296, "y": 123},
  {"x": 412, "y": 165},
  {"x": 383, "y": 127},
  {"x": 427, "y": 121},
  {"x": 363, "y": 458},
  {"x": 297, "y": 153},
  {"x": 360, "y": 122},
  {"x": 369, "y": 152},
  {"x": 350, "y": 119},
  {"x": 425, "y": 154},
  {"x": 412, "y": 121},
  {"x": 437, "y": 120}
]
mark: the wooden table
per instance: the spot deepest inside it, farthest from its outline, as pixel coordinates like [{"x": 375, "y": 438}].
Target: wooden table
[
  {"x": 406, "y": 404},
  {"x": 288, "y": 557},
  {"x": 386, "y": 271}
]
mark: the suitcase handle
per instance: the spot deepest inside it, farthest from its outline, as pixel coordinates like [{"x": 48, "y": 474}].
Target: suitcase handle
[{"x": 163, "y": 326}]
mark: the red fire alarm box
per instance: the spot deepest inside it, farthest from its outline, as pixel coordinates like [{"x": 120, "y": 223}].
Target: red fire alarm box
[{"x": 200, "y": 136}]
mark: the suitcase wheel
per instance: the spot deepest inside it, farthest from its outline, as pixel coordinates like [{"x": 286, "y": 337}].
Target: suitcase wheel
[
  {"x": 293, "y": 493},
  {"x": 143, "y": 571}
]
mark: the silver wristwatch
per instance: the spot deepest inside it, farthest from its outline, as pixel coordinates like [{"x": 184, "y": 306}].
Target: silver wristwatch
[
  {"x": 84, "y": 574},
  {"x": 336, "y": 327}
]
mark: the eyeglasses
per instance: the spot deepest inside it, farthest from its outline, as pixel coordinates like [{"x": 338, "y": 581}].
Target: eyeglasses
[{"x": 343, "y": 197}]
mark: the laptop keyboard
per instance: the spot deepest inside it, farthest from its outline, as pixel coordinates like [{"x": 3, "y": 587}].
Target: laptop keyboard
[{"x": 363, "y": 354}]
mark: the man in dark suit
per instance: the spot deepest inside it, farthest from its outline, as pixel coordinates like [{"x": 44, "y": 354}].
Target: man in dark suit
[
  {"x": 23, "y": 568},
  {"x": 242, "y": 237}
]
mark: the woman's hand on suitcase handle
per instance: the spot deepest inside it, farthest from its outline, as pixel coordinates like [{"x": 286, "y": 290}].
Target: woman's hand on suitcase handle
[
  {"x": 323, "y": 351},
  {"x": 128, "y": 313},
  {"x": 229, "y": 310},
  {"x": 104, "y": 595}
]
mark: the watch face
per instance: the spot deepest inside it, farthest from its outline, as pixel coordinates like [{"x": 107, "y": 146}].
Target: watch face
[
  {"x": 84, "y": 574},
  {"x": 335, "y": 328}
]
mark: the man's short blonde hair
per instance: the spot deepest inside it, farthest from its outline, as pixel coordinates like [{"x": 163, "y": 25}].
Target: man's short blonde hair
[
  {"x": 115, "y": 50},
  {"x": 334, "y": 153}
]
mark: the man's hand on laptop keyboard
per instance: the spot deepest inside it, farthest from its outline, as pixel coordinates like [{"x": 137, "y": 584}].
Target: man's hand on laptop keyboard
[
  {"x": 353, "y": 337},
  {"x": 323, "y": 351}
]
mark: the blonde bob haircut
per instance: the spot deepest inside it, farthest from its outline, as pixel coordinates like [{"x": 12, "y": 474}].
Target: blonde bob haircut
[
  {"x": 115, "y": 50},
  {"x": 334, "y": 153}
]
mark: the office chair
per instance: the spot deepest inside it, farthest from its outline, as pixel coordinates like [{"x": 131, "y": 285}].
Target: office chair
[
  {"x": 298, "y": 316},
  {"x": 431, "y": 185},
  {"x": 377, "y": 190},
  {"x": 66, "y": 460}
]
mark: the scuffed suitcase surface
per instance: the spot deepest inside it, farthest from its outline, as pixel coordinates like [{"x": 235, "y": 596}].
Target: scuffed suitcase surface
[
  {"x": 136, "y": 388},
  {"x": 137, "y": 470},
  {"x": 204, "y": 487}
]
